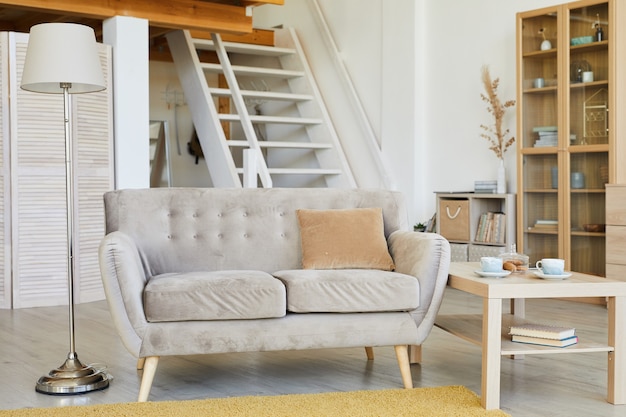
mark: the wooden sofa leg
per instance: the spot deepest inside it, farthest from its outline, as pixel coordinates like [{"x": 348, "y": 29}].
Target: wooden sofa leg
[
  {"x": 402, "y": 354},
  {"x": 415, "y": 354},
  {"x": 151, "y": 363},
  {"x": 369, "y": 351},
  {"x": 140, "y": 363}
]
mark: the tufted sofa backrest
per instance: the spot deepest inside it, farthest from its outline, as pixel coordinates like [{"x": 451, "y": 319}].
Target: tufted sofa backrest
[{"x": 192, "y": 229}]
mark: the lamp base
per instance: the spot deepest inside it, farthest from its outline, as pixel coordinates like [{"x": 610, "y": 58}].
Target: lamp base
[{"x": 72, "y": 378}]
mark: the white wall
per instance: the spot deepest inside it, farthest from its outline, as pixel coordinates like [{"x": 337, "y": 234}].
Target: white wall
[
  {"x": 439, "y": 147},
  {"x": 457, "y": 46}
]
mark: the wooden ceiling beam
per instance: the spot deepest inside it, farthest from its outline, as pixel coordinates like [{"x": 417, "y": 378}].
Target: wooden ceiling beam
[
  {"x": 253, "y": 3},
  {"x": 178, "y": 14},
  {"x": 159, "y": 49}
]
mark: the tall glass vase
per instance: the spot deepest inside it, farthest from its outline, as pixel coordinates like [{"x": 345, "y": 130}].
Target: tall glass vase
[{"x": 501, "y": 178}]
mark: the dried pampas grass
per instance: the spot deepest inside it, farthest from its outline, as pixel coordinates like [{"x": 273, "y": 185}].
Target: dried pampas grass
[{"x": 497, "y": 138}]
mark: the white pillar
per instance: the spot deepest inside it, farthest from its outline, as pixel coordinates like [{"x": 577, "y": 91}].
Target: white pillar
[{"x": 129, "y": 38}]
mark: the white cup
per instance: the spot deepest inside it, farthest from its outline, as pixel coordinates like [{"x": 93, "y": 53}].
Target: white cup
[
  {"x": 551, "y": 266},
  {"x": 491, "y": 264},
  {"x": 539, "y": 83},
  {"x": 587, "y": 76}
]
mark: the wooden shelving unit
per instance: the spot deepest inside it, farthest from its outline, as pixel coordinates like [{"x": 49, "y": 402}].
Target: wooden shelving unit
[
  {"x": 462, "y": 234},
  {"x": 565, "y": 129}
]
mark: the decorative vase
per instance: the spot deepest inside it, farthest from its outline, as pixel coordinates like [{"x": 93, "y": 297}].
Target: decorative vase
[{"x": 501, "y": 179}]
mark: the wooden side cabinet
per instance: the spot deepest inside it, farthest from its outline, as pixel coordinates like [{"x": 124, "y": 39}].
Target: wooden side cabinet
[{"x": 616, "y": 231}]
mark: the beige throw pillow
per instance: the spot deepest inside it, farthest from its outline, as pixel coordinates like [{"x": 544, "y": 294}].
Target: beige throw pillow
[{"x": 344, "y": 238}]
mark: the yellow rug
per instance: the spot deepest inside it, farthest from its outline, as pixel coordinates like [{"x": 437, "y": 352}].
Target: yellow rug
[{"x": 431, "y": 402}]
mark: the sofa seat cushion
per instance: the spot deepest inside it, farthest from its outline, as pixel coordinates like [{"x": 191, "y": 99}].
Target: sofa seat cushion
[
  {"x": 219, "y": 295},
  {"x": 349, "y": 291}
]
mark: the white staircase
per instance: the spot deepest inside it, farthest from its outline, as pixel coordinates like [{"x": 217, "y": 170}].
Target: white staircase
[{"x": 258, "y": 114}]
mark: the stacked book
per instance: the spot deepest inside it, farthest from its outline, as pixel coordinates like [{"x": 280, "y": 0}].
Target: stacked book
[
  {"x": 544, "y": 334},
  {"x": 491, "y": 227},
  {"x": 548, "y": 136},
  {"x": 546, "y": 225},
  {"x": 485, "y": 187}
]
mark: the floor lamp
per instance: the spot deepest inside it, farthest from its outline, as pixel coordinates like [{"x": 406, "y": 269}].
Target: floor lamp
[{"x": 62, "y": 58}]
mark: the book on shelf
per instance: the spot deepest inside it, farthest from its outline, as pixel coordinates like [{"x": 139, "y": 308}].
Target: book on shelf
[
  {"x": 499, "y": 228},
  {"x": 545, "y": 129},
  {"x": 546, "y": 224},
  {"x": 481, "y": 224},
  {"x": 431, "y": 226},
  {"x": 545, "y": 342},
  {"x": 485, "y": 187},
  {"x": 491, "y": 227},
  {"x": 548, "y": 136},
  {"x": 488, "y": 227},
  {"x": 545, "y": 331}
]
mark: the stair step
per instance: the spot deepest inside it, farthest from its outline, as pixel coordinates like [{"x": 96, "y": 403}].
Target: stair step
[
  {"x": 263, "y": 95},
  {"x": 241, "y": 70},
  {"x": 275, "y": 144},
  {"x": 272, "y": 119},
  {"x": 300, "y": 171},
  {"x": 235, "y": 47}
]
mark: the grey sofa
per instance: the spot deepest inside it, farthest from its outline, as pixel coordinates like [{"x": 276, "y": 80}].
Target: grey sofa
[{"x": 197, "y": 271}]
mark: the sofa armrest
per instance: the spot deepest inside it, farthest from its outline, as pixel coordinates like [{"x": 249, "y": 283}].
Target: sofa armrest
[
  {"x": 124, "y": 279},
  {"x": 425, "y": 256}
]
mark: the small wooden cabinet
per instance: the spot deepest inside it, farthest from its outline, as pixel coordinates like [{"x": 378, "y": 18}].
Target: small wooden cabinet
[
  {"x": 569, "y": 87},
  {"x": 458, "y": 219},
  {"x": 616, "y": 231}
]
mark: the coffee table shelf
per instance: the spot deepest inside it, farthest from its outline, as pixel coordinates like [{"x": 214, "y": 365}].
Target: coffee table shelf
[
  {"x": 469, "y": 327},
  {"x": 486, "y": 329}
]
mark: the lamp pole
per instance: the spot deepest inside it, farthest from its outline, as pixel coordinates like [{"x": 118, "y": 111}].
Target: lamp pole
[
  {"x": 69, "y": 202},
  {"x": 72, "y": 377}
]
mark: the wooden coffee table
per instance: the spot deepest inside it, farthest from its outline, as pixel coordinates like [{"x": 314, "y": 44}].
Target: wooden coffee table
[{"x": 490, "y": 329}]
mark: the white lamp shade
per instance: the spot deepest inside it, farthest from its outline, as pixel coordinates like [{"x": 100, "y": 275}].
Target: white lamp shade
[{"x": 62, "y": 53}]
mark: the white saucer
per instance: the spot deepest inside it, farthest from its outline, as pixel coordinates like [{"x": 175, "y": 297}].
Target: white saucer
[
  {"x": 498, "y": 274},
  {"x": 560, "y": 276}
]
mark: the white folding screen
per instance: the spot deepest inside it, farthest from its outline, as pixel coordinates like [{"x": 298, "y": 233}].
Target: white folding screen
[
  {"x": 5, "y": 189},
  {"x": 35, "y": 264}
]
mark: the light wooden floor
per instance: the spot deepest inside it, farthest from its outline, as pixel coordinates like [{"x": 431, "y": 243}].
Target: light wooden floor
[{"x": 33, "y": 341}]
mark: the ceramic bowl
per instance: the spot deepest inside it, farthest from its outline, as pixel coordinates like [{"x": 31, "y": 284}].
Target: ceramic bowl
[
  {"x": 581, "y": 40},
  {"x": 594, "y": 228}
]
